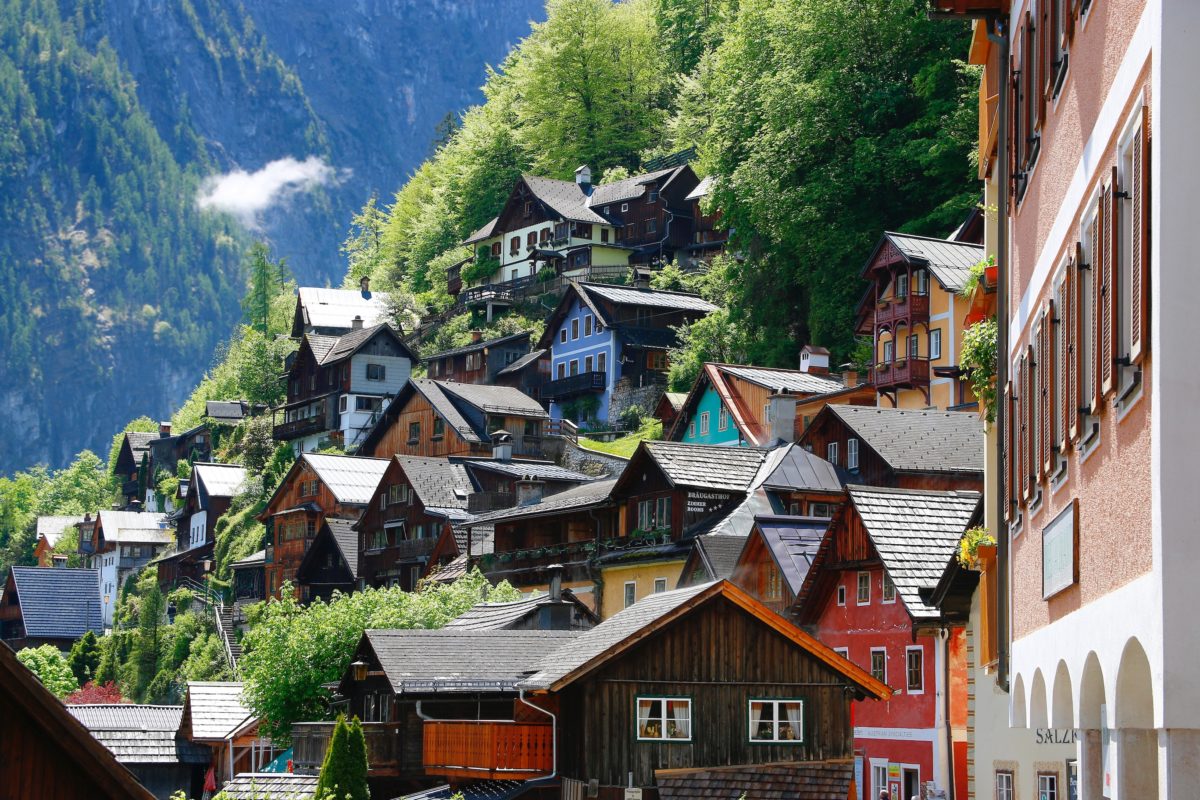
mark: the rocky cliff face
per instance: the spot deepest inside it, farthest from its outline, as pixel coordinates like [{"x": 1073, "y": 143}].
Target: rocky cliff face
[{"x": 114, "y": 287}]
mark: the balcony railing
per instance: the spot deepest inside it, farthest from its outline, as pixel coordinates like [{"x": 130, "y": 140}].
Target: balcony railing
[
  {"x": 299, "y": 427},
  {"x": 905, "y": 372},
  {"x": 911, "y": 308},
  {"x": 404, "y": 549},
  {"x": 385, "y": 747},
  {"x": 482, "y": 502},
  {"x": 495, "y": 750},
  {"x": 574, "y": 384}
]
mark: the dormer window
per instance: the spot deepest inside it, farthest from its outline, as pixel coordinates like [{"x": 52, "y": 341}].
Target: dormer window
[{"x": 652, "y": 197}]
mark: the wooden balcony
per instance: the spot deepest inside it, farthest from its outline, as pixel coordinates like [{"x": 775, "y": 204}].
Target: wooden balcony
[
  {"x": 488, "y": 750},
  {"x": 911, "y": 309},
  {"x": 385, "y": 751},
  {"x": 404, "y": 549},
  {"x": 573, "y": 385},
  {"x": 298, "y": 428},
  {"x": 903, "y": 374}
]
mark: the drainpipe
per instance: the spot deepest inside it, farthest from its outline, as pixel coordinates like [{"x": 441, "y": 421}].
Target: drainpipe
[
  {"x": 945, "y": 645},
  {"x": 553, "y": 739}
]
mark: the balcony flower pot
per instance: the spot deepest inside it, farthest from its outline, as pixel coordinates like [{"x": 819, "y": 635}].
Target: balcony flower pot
[{"x": 991, "y": 275}]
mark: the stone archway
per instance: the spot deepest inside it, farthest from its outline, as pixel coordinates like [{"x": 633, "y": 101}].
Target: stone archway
[
  {"x": 1092, "y": 709},
  {"x": 1062, "y": 699},
  {"x": 1039, "y": 716},
  {"x": 1136, "y": 738},
  {"x": 1017, "y": 708}
]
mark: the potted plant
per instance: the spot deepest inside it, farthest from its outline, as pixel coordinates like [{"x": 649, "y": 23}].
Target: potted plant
[
  {"x": 978, "y": 363},
  {"x": 972, "y": 542}
]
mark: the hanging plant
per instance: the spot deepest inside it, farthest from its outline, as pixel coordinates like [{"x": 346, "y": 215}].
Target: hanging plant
[
  {"x": 968, "y": 546},
  {"x": 978, "y": 362},
  {"x": 976, "y": 274}
]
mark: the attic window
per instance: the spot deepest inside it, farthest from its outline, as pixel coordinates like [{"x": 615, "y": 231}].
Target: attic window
[
  {"x": 528, "y": 208},
  {"x": 652, "y": 197},
  {"x": 624, "y": 206},
  {"x": 376, "y": 372}
]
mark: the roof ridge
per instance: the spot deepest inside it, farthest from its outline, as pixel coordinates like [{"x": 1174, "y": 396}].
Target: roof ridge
[
  {"x": 932, "y": 239},
  {"x": 862, "y": 487}
]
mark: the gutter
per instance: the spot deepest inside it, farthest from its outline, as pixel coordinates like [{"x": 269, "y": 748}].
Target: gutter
[{"x": 553, "y": 741}]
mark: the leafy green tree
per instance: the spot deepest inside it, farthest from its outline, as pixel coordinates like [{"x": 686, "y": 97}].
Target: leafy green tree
[
  {"x": 292, "y": 650},
  {"x": 687, "y": 29},
  {"x": 85, "y": 658},
  {"x": 267, "y": 280},
  {"x": 363, "y": 248},
  {"x": 149, "y": 631},
  {"x": 344, "y": 771},
  {"x": 50, "y": 667}
]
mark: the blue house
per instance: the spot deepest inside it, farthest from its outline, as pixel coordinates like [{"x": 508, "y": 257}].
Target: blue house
[{"x": 608, "y": 348}]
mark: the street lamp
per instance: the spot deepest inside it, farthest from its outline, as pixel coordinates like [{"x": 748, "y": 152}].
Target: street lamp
[{"x": 360, "y": 670}]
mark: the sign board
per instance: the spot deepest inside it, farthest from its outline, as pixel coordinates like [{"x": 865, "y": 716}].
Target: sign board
[
  {"x": 1059, "y": 543},
  {"x": 633, "y": 794}
]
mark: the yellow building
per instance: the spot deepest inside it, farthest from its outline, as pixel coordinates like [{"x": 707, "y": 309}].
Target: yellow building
[
  {"x": 916, "y": 318},
  {"x": 622, "y": 586}
]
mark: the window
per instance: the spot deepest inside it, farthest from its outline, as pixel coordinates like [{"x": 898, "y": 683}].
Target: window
[
  {"x": 562, "y": 336},
  {"x": 654, "y": 514},
  {"x": 561, "y": 230},
  {"x": 533, "y": 427},
  {"x": 652, "y": 196},
  {"x": 545, "y": 235},
  {"x": 935, "y": 344},
  {"x": 889, "y": 589},
  {"x": 664, "y": 718},
  {"x": 575, "y": 329},
  {"x": 587, "y": 364},
  {"x": 879, "y": 773},
  {"x": 587, "y": 325},
  {"x": 777, "y": 721},
  {"x": 367, "y": 403},
  {"x": 583, "y": 230},
  {"x": 474, "y": 361},
  {"x": 831, "y": 453},
  {"x": 414, "y": 432},
  {"x": 439, "y": 427},
  {"x": 922, "y": 281},
  {"x": 902, "y": 285},
  {"x": 723, "y": 419},
  {"x": 879, "y": 664},
  {"x": 1130, "y": 261},
  {"x": 528, "y": 208},
  {"x": 496, "y": 249},
  {"x": 514, "y": 245},
  {"x": 704, "y": 423},
  {"x": 823, "y": 510},
  {"x": 630, "y": 593},
  {"x": 531, "y": 240},
  {"x": 914, "y": 668},
  {"x": 607, "y": 210},
  {"x": 914, "y": 345},
  {"x": 1087, "y": 308},
  {"x": 692, "y": 429},
  {"x": 513, "y": 275},
  {"x": 773, "y": 590},
  {"x": 398, "y": 493},
  {"x": 604, "y": 234},
  {"x": 624, "y": 206},
  {"x": 651, "y": 226},
  {"x": 844, "y": 652},
  {"x": 562, "y": 370},
  {"x": 852, "y": 454},
  {"x": 841, "y": 595},
  {"x": 660, "y": 585},
  {"x": 888, "y": 350},
  {"x": 1047, "y": 786},
  {"x": 657, "y": 360},
  {"x": 602, "y": 362},
  {"x": 864, "y": 588},
  {"x": 1004, "y": 786},
  {"x": 574, "y": 369},
  {"x": 379, "y": 540}
]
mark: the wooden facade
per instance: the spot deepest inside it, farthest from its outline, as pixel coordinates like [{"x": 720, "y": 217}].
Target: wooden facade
[
  {"x": 480, "y": 361},
  {"x": 396, "y": 535},
  {"x": 324, "y": 569}
]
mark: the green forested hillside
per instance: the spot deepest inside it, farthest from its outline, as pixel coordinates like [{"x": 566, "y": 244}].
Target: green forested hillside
[
  {"x": 824, "y": 123},
  {"x": 106, "y": 265}
]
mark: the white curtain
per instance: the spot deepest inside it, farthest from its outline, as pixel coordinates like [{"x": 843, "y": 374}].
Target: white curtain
[
  {"x": 795, "y": 717},
  {"x": 756, "y": 710}
]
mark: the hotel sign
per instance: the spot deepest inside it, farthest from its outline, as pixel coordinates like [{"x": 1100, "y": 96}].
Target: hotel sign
[{"x": 1060, "y": 546}]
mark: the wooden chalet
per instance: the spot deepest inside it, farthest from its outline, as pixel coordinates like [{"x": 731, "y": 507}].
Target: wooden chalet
[
  {"x": 47, "y": 753},
  {"x": 608, "y": 347},
  {"x": 443, "y": 418},
  {"x": 210, "y": 491},
  {"x": 50, "y": 605},
  {"x": 709, "y": 236},
  {"x": 667, "y": 408},
  {"x": 527, "y": 373},
  {"x": 869, "y": 594},
  {"x": 479, "y": 361},
  {"x": 898, "y": 447},
  {"x": 166, "y": 451},
  {"x": 776, "y": 558},
  {"x": 332, "y": 312},
  {"x": 331, "y": 562},
  {"x": 145, "y": 739},
  {"x": 132, "y": 467},
  {"x": 759, "y": 406},
  {"x": 216, "y": 717},
  {"x": 316, "y": 487},
  {"x": 915, "y": 317},
  {"x": 50, "y": 530},
  {"x": 249, "y": 578},
  {"x": 337, "y": 386}
]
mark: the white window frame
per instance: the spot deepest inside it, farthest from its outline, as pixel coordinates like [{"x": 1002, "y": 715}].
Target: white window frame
[
  {"x": 831, "y": 453},
  {"x": 858, "y": 588},
  {"x": 871, "y": 663},
  {"x": 908, "y": 651},
  {"x": 630, "y": 595},
  {"x": 587, "y": 325},
  {"x": 662, "y": 737},
  {"x": 723, "y": 418},
  {"x": 820, "y": 510},
  {"x": 852, "y": 453},
  {"x": 841, "y": 595},
  {"x": 1003, "y": 783},
  {"x": 692, "y": 429},
  {"x": 562, "y": 335},
  {"x": 1047, "y": 786},
  {"x": 935, "y": 344},
  {"x": 889, "y": 351},
  {"x": 660, "y": 585},
  {"x": 884, "y": 594},
  {"x": 704, "y": 424},
  {"x": 914, "y": 345},
  {"x": 575, "y": 329},
  {"x": 879, "y": 775},
  {"x": 844, "y": 652},
  {"x": 776, "y": 703}
]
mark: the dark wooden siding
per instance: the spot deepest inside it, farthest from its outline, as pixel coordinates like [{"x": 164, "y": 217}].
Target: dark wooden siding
[{"x": 720, "y": 657}]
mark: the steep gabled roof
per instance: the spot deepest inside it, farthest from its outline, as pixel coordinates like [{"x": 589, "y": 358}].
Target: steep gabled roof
[
  {"x": 521, "y": 363},
  {"x": 332, "y": 349},
  {"x": 719, "y": 553},
  {"x": 702, "y": 189},
  {"x": 627, "y": 188},
  {"x": 792, "y": 543},
  {"x": 58, "y": 603},
  {"x": 485, "y": 232},
  {"x": 917, "y": 441},
  {"x": 564, "y": 197},
  {"x": 505, "y": 616},
  {"x": 219, "y": 480},
  {"x": 346, "y": 539},
  {"x": 948, "y": 260},
  {"x": 503, "y": 400},
  {"x": 336, "y": 308},
  {"x": 213, "y": 709},
  {"x": 352, "y": 479},
  {"x": 438, "y": 482},
  {"x": 473, "y": 347},
  {"x": 699, "y": 465},
  {"x": 611, "y": 638},
  {"x": 139, "y": 443},
  {"x": 138, "y": 734},
  {"x": 52, "y": 527}
]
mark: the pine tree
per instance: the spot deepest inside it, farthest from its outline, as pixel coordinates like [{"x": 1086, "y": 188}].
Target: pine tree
[
  {"x": 344, "y": 771},
  {"x": 85, "y": 658},
  {"x": 267, "y": 279}
]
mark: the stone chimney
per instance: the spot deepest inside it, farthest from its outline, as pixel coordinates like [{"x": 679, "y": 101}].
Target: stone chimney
[
  {"x": 849, "y": 376},
  {"x": 781, "y": 417},
  {"x": 476, "y": 337},
  {"x": 502, "y": 445},
  {"x": 530, "y": 491},
  {"x": 356, "y": 323},
  {"x": 164, "y": 429},
  {"x": 364, "y": 284},
  {"x": 814, "y": 360},
  {"x": 583, "y": 177},
  {"x": 555, "y": 571}
]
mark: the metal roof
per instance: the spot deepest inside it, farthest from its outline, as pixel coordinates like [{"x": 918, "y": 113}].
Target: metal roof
[
  {"x": 58, "y": 603},
  {"x": 702, "y": 189},
  {"x": 915, "y": 534},
  {"x": 215, "y": 708},
  {"x": 793, "y": 543},
  {"x": 352, "y": 479},
  {"x": 948, "y": 260},
  {"x": 337, "y": 308},
  {"x": 226, "y": 410},
  {"x": 918, "y": 441},
  {"x": 219, "y": 480},
  {"x": 52, "y": 527},
  {"x": 451, "y": 660},
  {"x": 133, "y": 527},
  {"x": 784, "y": 380},
  {"x": 652, "y": 298},
  {"x": 495, "y": 399},
  {"x": 522, "y": 362},
  {"x": 800, "y": 470}
]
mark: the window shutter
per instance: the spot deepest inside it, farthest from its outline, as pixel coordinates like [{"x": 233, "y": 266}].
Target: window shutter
[
  {"x": 1049, "y": 376},
  {"x": 1069, "y": 398},
  {"x": 1037, "y": 427},
  {"x": 1009, "y": 423},
  {"x": 1111, "y": 254},
  {"x": 1046, "y": 62},
  {"x": 1026, "y": 400},
  {"x": 1139, "y": 269},
  {"x": 1096, "y": 274}
]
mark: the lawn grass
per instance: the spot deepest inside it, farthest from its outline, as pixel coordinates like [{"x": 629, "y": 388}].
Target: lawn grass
[{"x": 625, "y": 445}]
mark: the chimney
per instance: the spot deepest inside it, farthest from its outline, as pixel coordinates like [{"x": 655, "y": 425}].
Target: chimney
[
  {"x": 781, "y": 417},
  {"x": 476, "y": 337},
  {"x": 164, "y": 429},
  {"x": 555, "y": 571},
  {"x": 583, "y": 177},
  {"x": 356, "y": 323},
  {"x": 364, "y": 283},
  {"x": 59, "y": 561},
  {"x": 849, "y": 376},
  {"x": 814, "y": 360},
  {"x": 502, "y": 445},
  {"x": 529, "y": 491}
]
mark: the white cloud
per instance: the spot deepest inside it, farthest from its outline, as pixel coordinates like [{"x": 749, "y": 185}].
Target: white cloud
[{"x": 246, "y": 194}]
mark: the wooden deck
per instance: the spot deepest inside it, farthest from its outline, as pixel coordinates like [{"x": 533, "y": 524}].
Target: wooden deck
[{"x": 508, "y": 750}]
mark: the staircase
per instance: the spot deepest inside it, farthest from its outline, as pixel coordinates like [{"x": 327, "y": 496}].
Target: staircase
[{"x": 226, "y": 628}]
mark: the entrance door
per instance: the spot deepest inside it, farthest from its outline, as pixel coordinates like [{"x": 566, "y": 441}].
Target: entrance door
[{"x": 912, "y": 783}]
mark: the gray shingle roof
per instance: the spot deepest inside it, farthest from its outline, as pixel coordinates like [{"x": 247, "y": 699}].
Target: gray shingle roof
[
  {"x": 785, "y": 380},
  {"x": 138, "y": 734},
  {"x": 449, "y": 660},
  {"x": 650, "y": 298},
  {"x": 522, "y": 362},
  {"x": 337, "y": 308},
  {"x": 577, "y": 497},
  {"x": 542, "y": 470},
  {"x": 706, "y": 466},
  {"x": 918, "y": 441},
  {"x": 500, "y": 616},
  {"x": 331, "y": 349},
  {"x": 346, "y": 539},
  {"x": 352, "y": 479},
  {"x": 475, "y": 346},
  {"x": 793, "y": 542},
  {"x": 484, "y": 232},
  {"x": 216, "y": 708},
  {"x": 810, "y": 780},
  {"x": 702, "y": 189},
  {"x": 58, "y": 603},
  {"x": 475, "y": 790},
  {"x": 252, "y": 560},
  {"x": 281, "y": 785},
  {"x": 139, "y": 442},
  {"x": 626, "y": 188},
  {"x": 915, "y": 534},
  {"x": 438, "y": 482},
  {"x": 720, "y": 553},
  {"x": 565, "y": 197},
  {"x": 495, "y": 399},
  {"x": 226, "y": 410},
  {"x": 676, "y": 399},
  {"x": 607, "y": 635},
  {"x": 800, "y": 470},
  {"x": 948, "y": 260}
]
